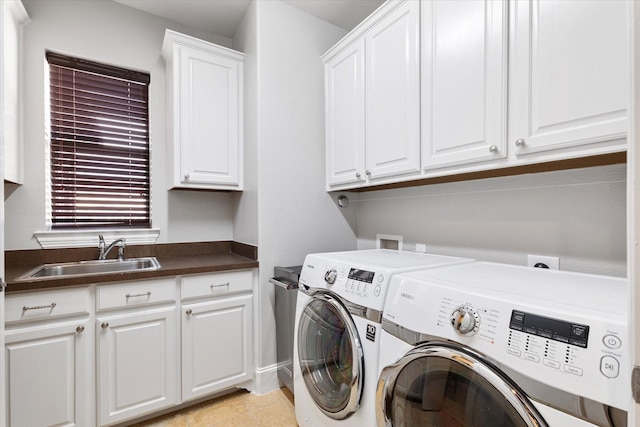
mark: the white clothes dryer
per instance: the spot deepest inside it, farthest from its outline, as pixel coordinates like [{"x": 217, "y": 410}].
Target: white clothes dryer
[
  {"x": 484, "y": 344},
  {"x": 337, "y": 332}
]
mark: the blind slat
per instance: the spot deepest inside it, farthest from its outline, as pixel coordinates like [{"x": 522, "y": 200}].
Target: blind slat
[{"x": 99, "y": 145}]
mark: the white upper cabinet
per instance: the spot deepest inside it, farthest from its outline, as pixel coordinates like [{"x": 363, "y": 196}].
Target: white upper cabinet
[
  {"x": 12, "y": 18},
  {"x": 372, "y": 80},
  {"x": 204, "y": 113},
  {"x": 569, "y": 78},
  {"x": 392, "y": 94},
  {"x": 464, "y": 82},
  {"x": 457, "y": 87},
  {"x": 344, "y": 82}
]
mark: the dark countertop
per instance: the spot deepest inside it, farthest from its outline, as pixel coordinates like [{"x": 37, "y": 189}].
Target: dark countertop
[{"x": 174, "y": 258}]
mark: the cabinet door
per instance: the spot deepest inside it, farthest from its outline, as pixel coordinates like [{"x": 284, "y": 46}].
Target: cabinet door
[
  {"x": 393, "y": 94},
  {"x": 12, "y": 18},
  {"x": 47, "y": 376},
  {"x": 137, "y": 364},
  {"x": 345, "y": 138},
  {"x": 216, "y": 345},
  {"x": 464, "y": 82},
  {"x": 210, "y": 118},
  {"x": 570, "y": 75}
]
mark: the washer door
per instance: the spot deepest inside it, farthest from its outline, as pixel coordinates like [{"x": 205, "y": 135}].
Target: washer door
[
  {"x": 439, "y": 384},
  {"x": 330, "y": 356}
]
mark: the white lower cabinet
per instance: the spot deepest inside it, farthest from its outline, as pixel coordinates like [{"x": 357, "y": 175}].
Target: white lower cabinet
[
  {"x": 48, "y": 352},
  {"x": 216, "y": 332},
  {"x": 137, "y": 352},
  {"x": 215, "y": 345},
  {"x": 105, "y": 354}
]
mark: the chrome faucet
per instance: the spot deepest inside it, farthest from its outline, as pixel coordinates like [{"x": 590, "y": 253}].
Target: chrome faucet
[{"x": 102, "y": 251}]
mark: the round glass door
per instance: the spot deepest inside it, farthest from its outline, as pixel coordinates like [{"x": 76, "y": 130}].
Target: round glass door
[
  {"x": 330, "y": 356},
  {"x": 446, "y": 386}
]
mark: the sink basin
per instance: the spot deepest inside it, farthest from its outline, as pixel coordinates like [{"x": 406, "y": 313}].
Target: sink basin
[{"x": 90, "y": 268}]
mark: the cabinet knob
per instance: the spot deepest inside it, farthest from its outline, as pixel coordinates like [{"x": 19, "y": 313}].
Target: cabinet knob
[
  {"x": 358, "y": 175},
  {"x": 186, "y": 177},
  {"x": 104, "y": 325},
  {"x": 189, "y": 311},
  {"x": 493, "y": 149},
  {"x": 80, "y": 329},
  {"x": 368, "y": 173},
  {"x": 520, "y": 142}
]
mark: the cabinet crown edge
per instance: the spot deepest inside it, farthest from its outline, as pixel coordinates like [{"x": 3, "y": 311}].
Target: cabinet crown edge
[
  {"x": 172, "y": 38},
  {"x": 363, "y": 27}
]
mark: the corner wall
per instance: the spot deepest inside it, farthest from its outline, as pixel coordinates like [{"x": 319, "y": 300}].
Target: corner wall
[{"x": 285, "y": 183}]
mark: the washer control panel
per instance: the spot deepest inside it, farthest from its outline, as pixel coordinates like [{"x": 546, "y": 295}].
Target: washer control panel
[
  {"x": 361, "y": 282},
  {"x": 363, "y": 286}
]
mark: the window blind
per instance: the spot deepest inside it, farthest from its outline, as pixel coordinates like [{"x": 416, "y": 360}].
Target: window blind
[{"x": 99, "y": 145}]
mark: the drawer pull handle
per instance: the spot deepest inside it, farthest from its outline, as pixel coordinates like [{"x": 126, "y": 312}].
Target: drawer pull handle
[
  {"x": 220, "y": 286},
  {"x": 104, "y": 325},
  {"x": 80, "y": 329},
  {"x": 144, "y": 294},
  {"x": 39, "y": 307},
  {"x": 189, "y": 311}
]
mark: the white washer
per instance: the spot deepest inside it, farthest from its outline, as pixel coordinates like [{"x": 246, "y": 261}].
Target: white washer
[
  {"x": 337, "y": 332},
  {"x": 492, "y": 344}
]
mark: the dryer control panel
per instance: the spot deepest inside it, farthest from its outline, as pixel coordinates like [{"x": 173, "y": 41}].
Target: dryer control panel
[
  {"x": 577, "y": 353},
  {"x": 553, "y": 329}
]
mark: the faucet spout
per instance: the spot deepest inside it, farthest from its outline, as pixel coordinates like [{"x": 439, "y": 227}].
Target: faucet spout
[{"x": 104, "y": 251}]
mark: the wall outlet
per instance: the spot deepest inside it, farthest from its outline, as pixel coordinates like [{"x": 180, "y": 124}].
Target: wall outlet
[
  {"x": 553, "y": 262},
  {"x": 421, "y": 247}
]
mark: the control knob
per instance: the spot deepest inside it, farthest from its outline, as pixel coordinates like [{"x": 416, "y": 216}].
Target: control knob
[
  {"x": 465, "y": 320},
  {"x": 330, "y": 276}
]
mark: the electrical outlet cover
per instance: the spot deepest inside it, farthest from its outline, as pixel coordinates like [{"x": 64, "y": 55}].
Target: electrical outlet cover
[{"x": 553, "y": 262}]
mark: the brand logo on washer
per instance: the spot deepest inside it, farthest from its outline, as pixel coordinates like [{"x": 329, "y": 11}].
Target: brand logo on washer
[
  {"x": 407, "y": 296},
  {"x": 371, "y": 333}
]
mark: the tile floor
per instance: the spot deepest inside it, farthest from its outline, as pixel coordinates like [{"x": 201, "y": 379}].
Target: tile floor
[{"x": 239, "y": 409}]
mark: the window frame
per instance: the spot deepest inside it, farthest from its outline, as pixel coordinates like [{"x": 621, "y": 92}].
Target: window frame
[{"x": 140, "y": 198}]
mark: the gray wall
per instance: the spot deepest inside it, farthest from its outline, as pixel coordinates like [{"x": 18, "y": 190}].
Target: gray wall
[
  {"x": 284, "y": 127},
  {"x": 106, "y": 31},
  {"x": 578, "y": 215}
]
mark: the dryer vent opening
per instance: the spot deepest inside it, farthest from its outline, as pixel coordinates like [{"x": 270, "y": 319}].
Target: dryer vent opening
[{"x": 386, "y": 241}]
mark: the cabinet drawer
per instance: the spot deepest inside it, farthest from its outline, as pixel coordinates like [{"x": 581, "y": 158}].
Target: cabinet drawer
[
  {"x": 204, "y": 285},
  {"x": 47, "y": 304},
  {"x": 131, "y": 294}
]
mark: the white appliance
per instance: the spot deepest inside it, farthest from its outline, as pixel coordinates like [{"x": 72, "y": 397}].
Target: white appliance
[
  {"x": 337, "y": 332},
  {"x": 498, "y": 345}
]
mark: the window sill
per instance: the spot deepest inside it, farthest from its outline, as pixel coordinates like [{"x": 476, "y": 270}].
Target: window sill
[{"x": 88, "y": 238}]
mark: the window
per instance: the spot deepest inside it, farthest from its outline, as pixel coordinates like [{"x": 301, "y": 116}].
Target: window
[{"x": 99, "y": 152}]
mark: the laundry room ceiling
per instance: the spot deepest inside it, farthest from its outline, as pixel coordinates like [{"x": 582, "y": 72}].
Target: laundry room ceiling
[{"x": 223, "y": 16}]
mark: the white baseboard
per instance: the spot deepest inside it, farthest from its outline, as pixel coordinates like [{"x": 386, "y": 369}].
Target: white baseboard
[{"x": 267, "y": 379}]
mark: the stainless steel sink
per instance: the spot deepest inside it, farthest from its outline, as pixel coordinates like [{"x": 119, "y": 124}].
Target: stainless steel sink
[{"x": 91, "y": 268}]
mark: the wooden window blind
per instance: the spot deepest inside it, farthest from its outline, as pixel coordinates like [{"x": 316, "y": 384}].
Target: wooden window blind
[{"x": 99, "y": 145}]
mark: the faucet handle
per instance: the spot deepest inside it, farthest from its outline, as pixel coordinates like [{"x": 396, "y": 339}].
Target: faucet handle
[
  {"x": 101, "y": 245},
  {"x": 123, "y": 244}
]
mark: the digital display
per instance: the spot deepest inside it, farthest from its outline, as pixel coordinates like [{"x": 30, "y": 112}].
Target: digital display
[
  {"x": 553, "y": 329},
  {"x": 361, "y": 275}
]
